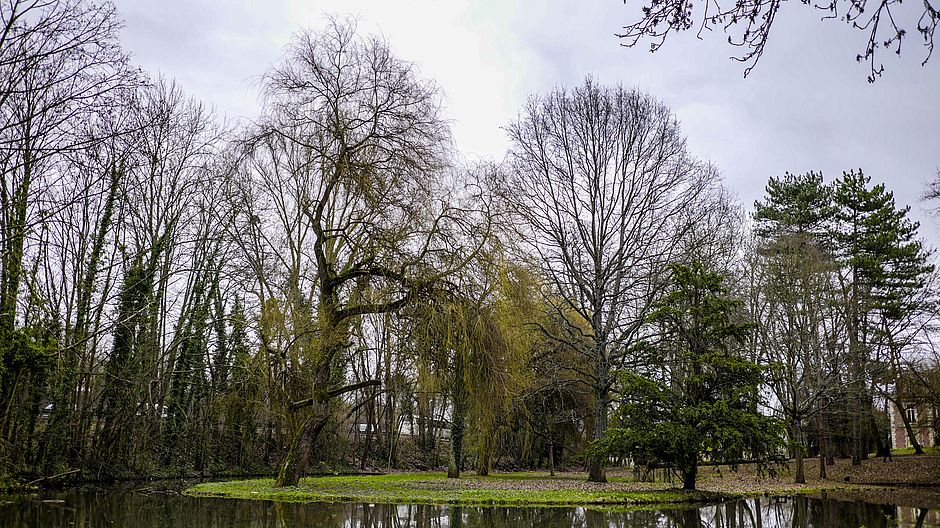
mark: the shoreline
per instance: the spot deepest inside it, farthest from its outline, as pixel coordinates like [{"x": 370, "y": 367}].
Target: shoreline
[
  {"x": 914, "y": 480},
  {"x": 434, "y": 488}
]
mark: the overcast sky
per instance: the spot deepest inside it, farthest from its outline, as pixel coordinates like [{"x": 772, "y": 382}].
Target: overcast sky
[{"x": 807, "y": 105}]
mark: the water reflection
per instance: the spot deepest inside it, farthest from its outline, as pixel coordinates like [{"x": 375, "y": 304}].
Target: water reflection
[{"x": 98, "y": 508}]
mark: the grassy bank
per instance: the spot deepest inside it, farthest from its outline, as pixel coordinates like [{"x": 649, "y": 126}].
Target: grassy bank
[
  {"x": 511, "y": 489},
  {"x": 918, "y": 476}
]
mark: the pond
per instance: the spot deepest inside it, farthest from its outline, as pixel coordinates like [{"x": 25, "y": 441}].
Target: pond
[{"x": 110, "y": 507}]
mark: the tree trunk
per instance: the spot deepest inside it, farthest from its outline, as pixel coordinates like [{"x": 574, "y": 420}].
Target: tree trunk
[
  {"x": 896, "y": 398},
  {"x": 60, "y": 443},
  {"x": 882, "y": 448},
  {"x": 823, "y": 444},
  {"x": 551, "y": 459},
  {"x": 856, "y": 430},
  {"x": 798, "y": 451},
  {"x": 289, "y": 474},
  {"x": 689, "y": 476},
  {"x": 291, "y": 467},
  {"x": 456, "y": 446},
  {"x": 857, "y": 368},
  {"x": 12, "y": 240},
  {"x": 596, "y": 472},
  {"x": 457, "y": 420},
  {"x": 485, "y": 453},
  {"x": 370, "y": 410}
]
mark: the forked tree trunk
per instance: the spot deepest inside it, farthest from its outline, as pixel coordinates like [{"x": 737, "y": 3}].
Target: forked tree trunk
[
  {"x": 293, "y": 464},
  {"x": 291, "y": 467}
]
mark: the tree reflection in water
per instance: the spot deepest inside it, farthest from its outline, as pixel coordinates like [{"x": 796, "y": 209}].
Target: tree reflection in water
[{"x": 99, "y": 507}]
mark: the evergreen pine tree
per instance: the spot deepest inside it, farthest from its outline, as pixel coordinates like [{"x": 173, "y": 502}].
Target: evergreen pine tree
[{"x": 884, "y": 265}]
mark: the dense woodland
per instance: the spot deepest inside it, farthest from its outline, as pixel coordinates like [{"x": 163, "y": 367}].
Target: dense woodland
[{"x": 331, "y": 286}]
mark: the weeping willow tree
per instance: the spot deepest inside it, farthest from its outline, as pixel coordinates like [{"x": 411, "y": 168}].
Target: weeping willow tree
[
  {"x": 342, "y": 210},
  {"x": 446, "y": 332},
  {"x": 504, "y": 375},
  {"x": 477, "y": 347}
]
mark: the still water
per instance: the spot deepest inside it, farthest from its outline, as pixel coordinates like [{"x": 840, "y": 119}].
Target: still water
[{"x": 123, "y": 508}]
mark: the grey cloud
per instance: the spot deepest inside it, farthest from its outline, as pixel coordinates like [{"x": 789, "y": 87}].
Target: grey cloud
[{"x": 806, "y": 106}]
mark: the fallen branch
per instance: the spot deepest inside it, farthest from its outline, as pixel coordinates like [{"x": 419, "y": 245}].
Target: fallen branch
[{"x": 60, "y": 475}]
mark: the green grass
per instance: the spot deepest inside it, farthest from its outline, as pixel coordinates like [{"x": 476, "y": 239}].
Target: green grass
[
  {"x": 928, "y": 450},
  {"x": 435, "y": 488}
]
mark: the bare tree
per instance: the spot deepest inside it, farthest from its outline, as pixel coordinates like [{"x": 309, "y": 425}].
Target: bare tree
[
  {"x": 78, "y": 274},
  {"x": 797, "y": 334},
  {"x": 166, "y": 245},
  {"x": 601, "y": 185},
  {"x": 793, "y": 298}
]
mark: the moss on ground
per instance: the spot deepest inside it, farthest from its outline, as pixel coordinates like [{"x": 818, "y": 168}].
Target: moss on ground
[{"x": 435, "y": 488}]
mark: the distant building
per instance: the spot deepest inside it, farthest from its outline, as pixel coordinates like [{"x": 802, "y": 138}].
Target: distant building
[
  {"x": 438, "y": 428},
  {"x": 921, "y": 417},
  {"x": 907, "y": 516}
]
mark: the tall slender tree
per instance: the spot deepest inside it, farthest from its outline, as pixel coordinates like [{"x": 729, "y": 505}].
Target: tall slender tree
[
  {"x": 60, "y": 63},
  {"x": 884, "y": 266}
]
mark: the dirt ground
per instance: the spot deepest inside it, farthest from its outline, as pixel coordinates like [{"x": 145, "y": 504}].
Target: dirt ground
[
  {"x": 904, "y": 480},
  {"x": 911, "y": 480},
  {"x": 908, "y": 470}
]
